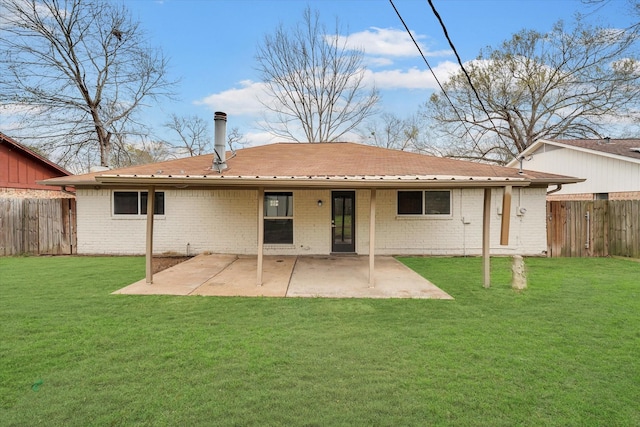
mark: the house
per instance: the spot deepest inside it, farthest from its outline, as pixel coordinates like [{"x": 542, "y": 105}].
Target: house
[
  {"x": 34, "y": 218},
  {"x": 316, "y": 199},
  {"x": 21, "y": 169},
  {"x": 611, "y": 167}
]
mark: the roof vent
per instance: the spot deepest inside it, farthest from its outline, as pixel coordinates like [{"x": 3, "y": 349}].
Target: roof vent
[{"x": 219, "y": 147}]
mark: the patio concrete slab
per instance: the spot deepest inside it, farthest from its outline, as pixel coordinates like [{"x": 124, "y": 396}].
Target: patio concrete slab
[
  {"x": 240, "y": 278},
  {"x": 289, "y": 276},
  {"x": 183, "y": 278},
  {"x": 348, "y": 277}
]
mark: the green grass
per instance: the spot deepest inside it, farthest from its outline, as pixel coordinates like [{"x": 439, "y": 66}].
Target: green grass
[{"x": 564, "y": 352}]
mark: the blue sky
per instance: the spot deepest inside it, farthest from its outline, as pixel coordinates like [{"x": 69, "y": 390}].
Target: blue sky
[{"x": 211, "y": 45}]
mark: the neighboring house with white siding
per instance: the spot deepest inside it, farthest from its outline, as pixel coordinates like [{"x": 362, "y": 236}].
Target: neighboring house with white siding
[
  {"x": 611, "y": 167},
  {"x": 313, "y": 198}
]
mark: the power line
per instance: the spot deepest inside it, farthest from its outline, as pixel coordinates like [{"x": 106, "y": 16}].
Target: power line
[
  {"x": 464, "y": 70},
  {"x": 446, "y": 35},
  {"x": 417, "y": 46},
  {"x": 424, "y": 58}
]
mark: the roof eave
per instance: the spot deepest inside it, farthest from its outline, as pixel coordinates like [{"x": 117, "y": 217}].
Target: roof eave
[
  {"x": 516, "y": 160},
  {"x": 533, "y": 147},
  {"x": 311, "y": 181},
  {"x": 554, "y": 181},
  {"x": 333, "y": 182},
  {"x": 58, "y": 182}
]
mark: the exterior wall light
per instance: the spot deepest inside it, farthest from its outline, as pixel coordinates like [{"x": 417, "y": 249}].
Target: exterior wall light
[{"x": 319, "y": 203}]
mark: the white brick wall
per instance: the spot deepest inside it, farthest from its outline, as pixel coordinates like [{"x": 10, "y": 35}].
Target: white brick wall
[
  {"x": 225, "y": 221},
  {"x": 206, "y": 220},
  {"x": 451, "y": 236},
  {"x": 311, "y": 223}
]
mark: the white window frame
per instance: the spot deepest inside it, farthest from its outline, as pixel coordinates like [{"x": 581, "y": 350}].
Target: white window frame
[
  {"x": 139, "y": 214},
  {"x": 423, "y": 213},
  {"x": 291, "y": 217}
]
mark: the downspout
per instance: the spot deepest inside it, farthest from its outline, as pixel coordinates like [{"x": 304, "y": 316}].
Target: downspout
[
  {"x": 65, "y": 191},
  {"x": 555, "y": 190}
]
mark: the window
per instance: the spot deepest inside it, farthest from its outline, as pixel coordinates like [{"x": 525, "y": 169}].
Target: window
[
  {"x": 410, "y": 202},
  {"x": 428, "y": 202},
  {"x": 602, "y": 196},
  {"x": 278, "y": 218},
  {"x": 437, "y": 202},
  {"x": 158, "y": 203},
  {"x": 135, "y": 203}
]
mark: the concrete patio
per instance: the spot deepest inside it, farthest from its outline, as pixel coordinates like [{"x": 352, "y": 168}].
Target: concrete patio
[{"x": 289, "y": 276}]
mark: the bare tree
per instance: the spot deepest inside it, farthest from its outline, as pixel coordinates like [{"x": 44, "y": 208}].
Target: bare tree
[
  {"x": 557, "y": 85},
  {"x": 391, "y": 131},
  {"x": 236, "y": 139},
  {"x": 195, "y": 138},
  {"x": 140, "y": 153},
  {"x": 314, "y": 81},
  {"x": 79, "y": 70},
  {"x": 192, "y": 133}
]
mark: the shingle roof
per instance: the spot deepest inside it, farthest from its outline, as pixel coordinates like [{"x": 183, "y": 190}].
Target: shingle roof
[
  {"x": 344, "y": 160},
  {"x": 621, "y": 147}
]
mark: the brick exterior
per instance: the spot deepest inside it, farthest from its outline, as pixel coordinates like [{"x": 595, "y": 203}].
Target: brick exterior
[{"x": 225, "y": 221}]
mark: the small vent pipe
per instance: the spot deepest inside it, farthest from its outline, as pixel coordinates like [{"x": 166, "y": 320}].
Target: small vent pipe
[{"x": 220, "y": 143}]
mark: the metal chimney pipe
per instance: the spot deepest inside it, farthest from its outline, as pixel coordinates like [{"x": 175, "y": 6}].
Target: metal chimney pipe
[{"x": 220, "y": 141}]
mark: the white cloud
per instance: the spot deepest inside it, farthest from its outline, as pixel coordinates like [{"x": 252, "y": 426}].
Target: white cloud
[
  {"x": 236, "y": 101},
  {"x": 16, "y": 109},
  {"x": 390, "y": 42},
  {"x": 8, "y": 17},
  {"x": 412, "y": 78},
  {"x": 9, "y": 127},
  {"x": 12, "y": 115},
  {"x": 260, "y": 138},
  {"x": 378, "y": 62}
]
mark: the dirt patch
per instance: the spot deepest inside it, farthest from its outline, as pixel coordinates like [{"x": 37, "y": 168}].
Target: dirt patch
[{"x": 162, "y": 263}]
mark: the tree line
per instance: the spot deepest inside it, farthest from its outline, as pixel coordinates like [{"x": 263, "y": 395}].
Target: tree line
[{"x": 76, "y": 75}]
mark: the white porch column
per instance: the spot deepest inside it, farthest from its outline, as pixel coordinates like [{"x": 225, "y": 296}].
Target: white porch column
[
  {"x": 486, "y": 239},
  {"x": 506, "y": 216},
  {"x": 260, "y": 233},
  {"x": 151, "y": 196},
  {"x": 372, "y": 237}
]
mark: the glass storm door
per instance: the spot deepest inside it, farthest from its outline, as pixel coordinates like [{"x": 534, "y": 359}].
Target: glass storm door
[{"x": 343, "y": 223}]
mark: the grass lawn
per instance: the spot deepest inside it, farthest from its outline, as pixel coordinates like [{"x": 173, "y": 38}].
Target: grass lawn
[{"x": 564, "y": 352}]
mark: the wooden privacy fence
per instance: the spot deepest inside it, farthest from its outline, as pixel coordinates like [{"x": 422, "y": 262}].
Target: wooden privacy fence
[
  {"x": 594, "y": 228},
  {"x": 37, "y": 226}
]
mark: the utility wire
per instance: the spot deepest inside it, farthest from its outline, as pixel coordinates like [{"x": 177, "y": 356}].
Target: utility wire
[
  {"x": 417, "y": 47},
  {"x": 424, "y": 58},
  {"x": 446, "y": 35}
]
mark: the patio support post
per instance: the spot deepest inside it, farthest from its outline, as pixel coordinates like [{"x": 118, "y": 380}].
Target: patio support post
[
  {"x": 151, "y": 195},
  {"x": 486, "y": 239},
  {"x": 260, "y": 233},
  {"x": 506, "y": 216},
  {"x": 372, "y": 237}
]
